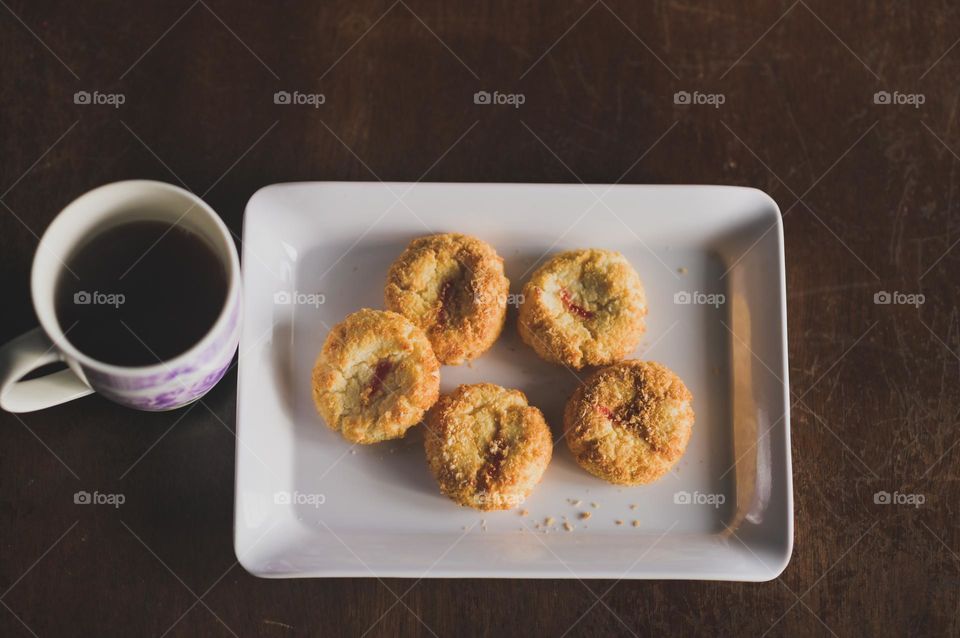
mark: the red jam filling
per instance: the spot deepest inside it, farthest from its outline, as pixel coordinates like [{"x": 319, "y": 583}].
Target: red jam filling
[
  {"x": 446, "y": 297},
  {"x": 573, "y": 307},
  {"x": 379, "y": 376}
]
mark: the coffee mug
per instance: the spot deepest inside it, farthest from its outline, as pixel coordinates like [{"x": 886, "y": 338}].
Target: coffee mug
[{"x": 165, "y": 385}]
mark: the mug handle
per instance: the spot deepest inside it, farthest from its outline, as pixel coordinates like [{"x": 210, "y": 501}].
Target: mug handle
[{"x": 28, "y": 352}]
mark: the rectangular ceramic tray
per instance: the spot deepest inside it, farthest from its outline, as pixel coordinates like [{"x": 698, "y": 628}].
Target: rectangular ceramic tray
[{"x": 308, "y": 503}]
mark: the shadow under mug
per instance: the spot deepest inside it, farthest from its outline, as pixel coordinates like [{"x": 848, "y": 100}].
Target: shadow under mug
[{"x": 162, "y": 386}]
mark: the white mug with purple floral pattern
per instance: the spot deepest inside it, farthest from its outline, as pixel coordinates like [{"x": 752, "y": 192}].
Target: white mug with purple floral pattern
[{"x": 163, "y": 386}]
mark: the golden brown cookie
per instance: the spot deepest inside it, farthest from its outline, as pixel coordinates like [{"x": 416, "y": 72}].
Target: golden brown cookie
[
  {"x": 375, "y": 377},
  {"x": 486, "y": 446},
  {"x": 453, "y": 287},
  {"x": 583, "y": 307},
  {"x": 630, "y": 423}
]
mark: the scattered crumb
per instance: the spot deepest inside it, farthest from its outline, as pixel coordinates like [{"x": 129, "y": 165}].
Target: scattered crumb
[
  {"x": 682, "y": 270},
  {"x": 548, "y": 521},
  {"x": 464, "y": 528},
  {"x": 353, "y": 451},
  {"x": 633, "y": 506},
  {"x": 584, "y": 516},
  {"x": 568, "y": 527},
  {"x": 574, "y": 501},
  {"x": 635, "y": 523},
  {"x": 594, "y": 505},
  {"x": 618, "y": 522},
  {"x": 524, "y": 512}
]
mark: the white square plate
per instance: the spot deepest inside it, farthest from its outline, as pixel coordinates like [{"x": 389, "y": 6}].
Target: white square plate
[{"x": 310, "y": 504}]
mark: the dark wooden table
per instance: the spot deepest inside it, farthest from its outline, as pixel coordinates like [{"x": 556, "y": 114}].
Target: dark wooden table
[{"x": 867, "y": 192}]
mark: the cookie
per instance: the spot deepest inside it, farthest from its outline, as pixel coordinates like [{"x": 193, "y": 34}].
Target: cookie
[
  {"x": 583, "y": 307},
  {"x": 630, "y": 423},
  {"x": 375, "y": 377},
  {"x": 486, "y": 446},
  {"x": 453, "y": 287}
]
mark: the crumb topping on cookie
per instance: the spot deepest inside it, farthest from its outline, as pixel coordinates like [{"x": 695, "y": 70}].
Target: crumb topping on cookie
[
  {"x": 583, "y": 307},
  {"x": 486, "y": 446},
  {"x": 375, "y": 377},
  {"x": 630, "y": 423},
  {"x": 453, "y": 287}
]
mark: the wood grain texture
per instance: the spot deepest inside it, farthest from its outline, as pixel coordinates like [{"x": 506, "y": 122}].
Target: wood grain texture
[{"x": 869, "y": 199}]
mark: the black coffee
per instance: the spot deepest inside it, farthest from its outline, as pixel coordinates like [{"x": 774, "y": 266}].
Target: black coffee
[{"x": 140, "y": 293}]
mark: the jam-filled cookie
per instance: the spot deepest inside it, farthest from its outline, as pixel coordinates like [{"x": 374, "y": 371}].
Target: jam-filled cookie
[
  {"x": 583, "y": 307},
  {"x": 486, "y": 446},
  {"x": 630, "y": 423},
  {"x": 453, "y": 287},
  {"x": 375, "y": 377}
]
